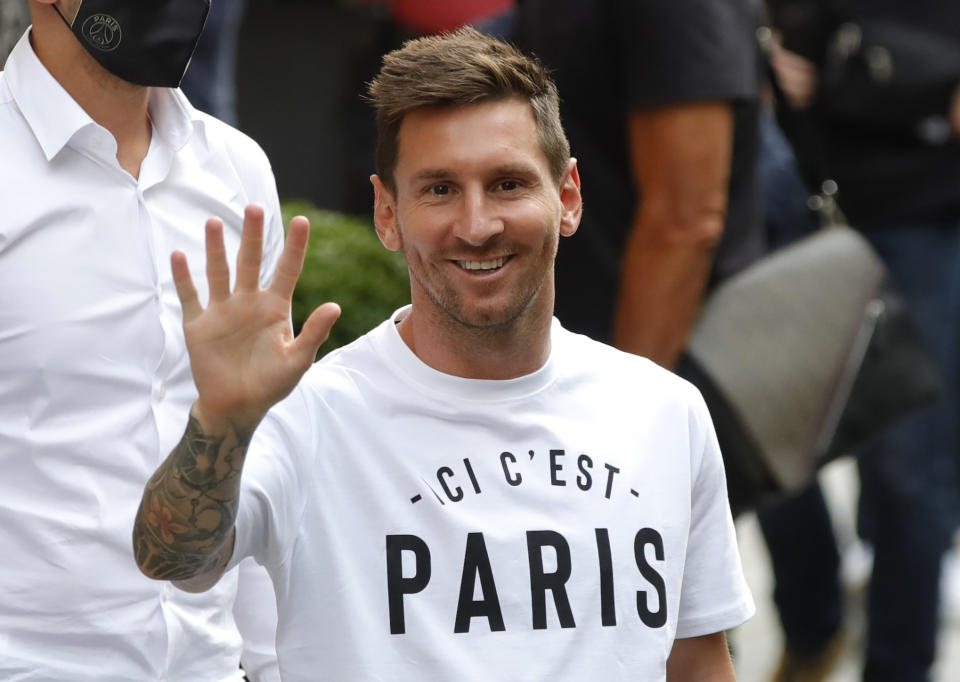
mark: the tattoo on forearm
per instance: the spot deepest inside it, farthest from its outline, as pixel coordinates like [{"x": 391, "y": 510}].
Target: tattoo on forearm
[{"x": 189, "y": 506}]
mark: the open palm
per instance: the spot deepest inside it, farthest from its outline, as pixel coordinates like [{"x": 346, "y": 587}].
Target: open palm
[{"x": 243, "y": 353}]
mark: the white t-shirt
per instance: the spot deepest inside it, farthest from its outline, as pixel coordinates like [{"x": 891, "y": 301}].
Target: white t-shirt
[
  {"x": 564, "y": 525},
  {"x": 95, "y": 383}
]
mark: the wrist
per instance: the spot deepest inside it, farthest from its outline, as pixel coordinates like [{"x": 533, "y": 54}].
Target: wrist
[{"x": 243, "y": 423}]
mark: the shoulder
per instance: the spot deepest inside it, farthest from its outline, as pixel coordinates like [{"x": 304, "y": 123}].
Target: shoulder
[
  {"x": 238, "y": 155},
  {"x": 625, "y": 374},
  {"x": 708, "y": 45},
  {"x": 242, "y": 149}
]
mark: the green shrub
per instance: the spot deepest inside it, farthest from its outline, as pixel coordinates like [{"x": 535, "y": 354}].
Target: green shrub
[{"x": 346, "y": 263}]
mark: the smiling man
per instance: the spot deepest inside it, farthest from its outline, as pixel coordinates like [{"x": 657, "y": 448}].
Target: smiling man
[{"x": 467, "y": 492}]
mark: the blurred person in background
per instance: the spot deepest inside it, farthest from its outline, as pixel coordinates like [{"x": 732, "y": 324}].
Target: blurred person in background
[
  {"x": 880, "y": 82},
  {"x": 105, "y": 168},
  {"x": 660, "y": 101},
  {"x": 428, "y": 17},
  {"x": 211, "y": 81}
]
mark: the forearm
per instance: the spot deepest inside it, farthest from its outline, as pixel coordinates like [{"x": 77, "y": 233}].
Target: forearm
[
  {"x": 184, "y": 527},
  {"x": 701, "y": 659},
  {"x": 662, "y": 284},
  {"x": 680, "y": 161}
]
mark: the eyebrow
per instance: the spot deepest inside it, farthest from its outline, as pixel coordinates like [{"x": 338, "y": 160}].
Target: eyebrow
[
  {"x": 428, "y": 174},
  {"x": 431, "y": 174}
]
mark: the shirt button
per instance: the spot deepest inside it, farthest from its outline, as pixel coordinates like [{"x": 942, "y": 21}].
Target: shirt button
[
  {"x": 162, "y": 390},
  {"x": 166, "y": 592}
]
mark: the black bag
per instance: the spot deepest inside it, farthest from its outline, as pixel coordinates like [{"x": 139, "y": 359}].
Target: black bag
[{"x": 802, "y": 357}]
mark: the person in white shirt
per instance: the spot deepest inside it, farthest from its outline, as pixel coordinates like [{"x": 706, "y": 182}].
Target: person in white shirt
[
  {"x": 99, "y": 179},
  {"x": 467, "y": 492}
]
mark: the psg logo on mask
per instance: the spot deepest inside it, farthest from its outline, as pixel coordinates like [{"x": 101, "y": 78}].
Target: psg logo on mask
[
  {"x": 155, "y": 44},
  {"x": 102, "y": 32}
]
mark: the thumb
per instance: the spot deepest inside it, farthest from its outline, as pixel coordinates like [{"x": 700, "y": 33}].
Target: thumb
[{"x": 316, "y": 329}]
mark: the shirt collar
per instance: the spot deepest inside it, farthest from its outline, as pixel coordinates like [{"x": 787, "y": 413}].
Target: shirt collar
[
  {"x": 55, "y": 117},
  {"x": 52, "y": 114},
  {"x": 174, "y": 118}
]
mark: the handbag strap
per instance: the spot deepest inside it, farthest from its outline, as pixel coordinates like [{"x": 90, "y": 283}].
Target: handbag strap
[{"x": 799, "y": 129}]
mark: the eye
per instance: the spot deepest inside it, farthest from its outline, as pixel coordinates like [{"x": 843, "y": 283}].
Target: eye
[
  {"x": 508, "y": 185},
  {"x": 439, "y": 190}
]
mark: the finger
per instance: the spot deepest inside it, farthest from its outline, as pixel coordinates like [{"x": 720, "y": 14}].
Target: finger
[
  {"x": 218, "y": 272},
  {"x": 251, "y": 249},
  {"x": 186, "y": 292},
  {"x": 315, "y": 331},
  {"x": 291, "y": 260}
]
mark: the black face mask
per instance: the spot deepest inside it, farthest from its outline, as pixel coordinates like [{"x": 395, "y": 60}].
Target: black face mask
[{"x": 147, "y": 42}]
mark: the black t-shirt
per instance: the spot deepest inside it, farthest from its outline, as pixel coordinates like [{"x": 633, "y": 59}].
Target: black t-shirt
[{"x": 609, "y": 57}]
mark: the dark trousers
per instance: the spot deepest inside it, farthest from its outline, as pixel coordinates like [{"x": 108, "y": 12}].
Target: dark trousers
[{"x": 909, "y": 490}]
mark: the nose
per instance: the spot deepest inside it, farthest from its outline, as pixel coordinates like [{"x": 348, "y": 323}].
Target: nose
[{"x": 477, "y": 221}]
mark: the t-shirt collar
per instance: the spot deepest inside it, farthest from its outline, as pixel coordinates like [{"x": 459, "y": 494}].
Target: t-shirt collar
[
  {"x": 445, "y": 386},
  {"x": 55, "y": 117}
]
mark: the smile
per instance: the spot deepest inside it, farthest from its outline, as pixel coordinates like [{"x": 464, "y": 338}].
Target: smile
[{"x": 482, "y": 264}]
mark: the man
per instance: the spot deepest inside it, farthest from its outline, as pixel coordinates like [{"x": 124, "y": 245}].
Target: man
[
  {"x": 101, "y": 174},
  {"x": 888, "y": 132},
  {"x": 660, "y": 102},
  {"x": 468, "y": 491}
]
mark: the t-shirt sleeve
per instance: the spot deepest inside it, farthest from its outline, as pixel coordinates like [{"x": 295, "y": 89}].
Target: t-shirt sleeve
[
  {"x": 272, "y": 487},
  {"x": 714, "y": 595},
  {"x": 686, "y": 51}
]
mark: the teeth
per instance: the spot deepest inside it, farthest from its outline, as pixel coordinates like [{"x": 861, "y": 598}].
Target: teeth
[{"x": 482, "y": 264}]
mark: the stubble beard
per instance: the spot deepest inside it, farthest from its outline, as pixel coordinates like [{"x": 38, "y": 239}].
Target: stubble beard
[{"x": 495, "y": 318}]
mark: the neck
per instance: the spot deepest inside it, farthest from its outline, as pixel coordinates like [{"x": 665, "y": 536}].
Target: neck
[
  {"x": 506, "y": 351},
  {"x": 117, "y": 105}
]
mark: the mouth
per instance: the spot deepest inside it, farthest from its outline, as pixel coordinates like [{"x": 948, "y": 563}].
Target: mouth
[{"x": 482, "y": 265}]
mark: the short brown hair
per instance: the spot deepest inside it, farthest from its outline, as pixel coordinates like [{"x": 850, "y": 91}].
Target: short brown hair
[{"x": 456, "y": 69}]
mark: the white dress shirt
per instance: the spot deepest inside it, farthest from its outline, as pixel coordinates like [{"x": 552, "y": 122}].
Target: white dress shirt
[{"x": 95, "y": 385}]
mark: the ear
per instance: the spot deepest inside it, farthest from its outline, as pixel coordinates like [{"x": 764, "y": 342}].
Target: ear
[
  {"x": 570, "y": 199},
  {"x": 385, "y": 215}
]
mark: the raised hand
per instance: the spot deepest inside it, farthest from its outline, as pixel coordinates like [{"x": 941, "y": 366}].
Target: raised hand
[
  {"x": 244, "y": 359},
  {"x": 242, "y": 349}
]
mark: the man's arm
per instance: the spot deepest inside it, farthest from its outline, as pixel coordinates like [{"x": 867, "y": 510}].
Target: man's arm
[
  {"x": 184, "y": 527},
  {"x": 680, "y": 157},
  {"x": 700, "y": 659},
  {"x": 244, "y": 359}
]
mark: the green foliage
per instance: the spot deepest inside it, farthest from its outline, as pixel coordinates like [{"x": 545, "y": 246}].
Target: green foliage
[{"x": 346, "y": 263}]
